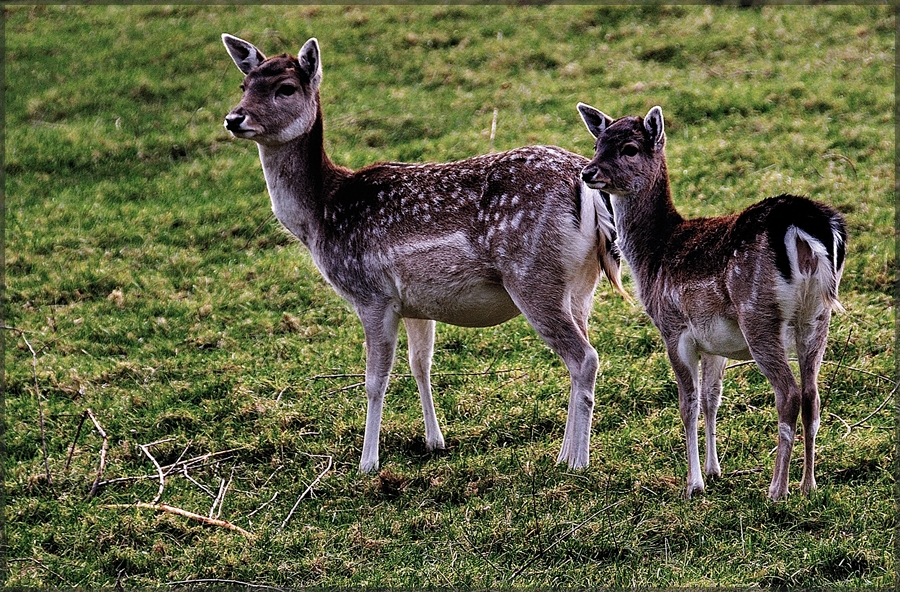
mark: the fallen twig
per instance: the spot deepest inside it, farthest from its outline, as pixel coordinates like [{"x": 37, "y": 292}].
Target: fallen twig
[
  {"x": 74, "y": 440},
  {"x": 37, "y": 392},
  {"x": 877, "y": 409},
  {"x": 162, "y": 477},
  {"x": 741, "y": 472},
  {"x": 41, "y": 565},
  {"x": 345, "y": 388},
  {"x": 103, "y": 449},
  {"x": 841, "y": 419},
  {"x": 223, "y": 489},
  {"x": 218, "y": 498},
  {"x": 219, "y": 581},
  {"x": 565, "y": 537},
  {"x": 844, "y": 158},
  {"x": 434, "y": 375},
  {"x": 186, "y": 514},
  {"x": 200, "y": 485},
  {"x": 840, "y": 361},
  {"x": 168, "y": 469},
  {"x": 307, "y": 490},
  {"x": 272, "y": 499}
]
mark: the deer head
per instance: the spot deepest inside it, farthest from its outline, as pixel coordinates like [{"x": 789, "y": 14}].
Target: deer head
[
  {"x": 281, "y": 94},
  {"x": 629, "y": 152}
]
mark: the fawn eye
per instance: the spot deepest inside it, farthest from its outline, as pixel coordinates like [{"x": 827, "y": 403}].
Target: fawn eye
[
  {"x": 285, "y": 90},
  {"x": 629, "y": 150},
  {"x": 243, "y": 88}
]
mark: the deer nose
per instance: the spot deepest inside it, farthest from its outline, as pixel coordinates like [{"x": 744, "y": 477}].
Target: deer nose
[
  {"x": 234, "y": 121},
  {"x": 591, "y": 175}
]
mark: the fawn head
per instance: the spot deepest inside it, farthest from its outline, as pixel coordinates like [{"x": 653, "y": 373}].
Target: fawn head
[
  {"x": 281, "y": 94},
  {"x": 629, "y": 152}
]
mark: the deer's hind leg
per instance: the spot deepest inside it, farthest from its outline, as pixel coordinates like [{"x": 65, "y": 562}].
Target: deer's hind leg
[
  {"x": 763, "y": 334},
  {"x": 421, "y": 350},
  {"x": 552, "y": 313},
  {"x": 811, "y": 342}
]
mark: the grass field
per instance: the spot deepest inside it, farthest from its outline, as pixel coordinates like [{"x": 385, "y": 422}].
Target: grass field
[{"x": 147, "y": 281}]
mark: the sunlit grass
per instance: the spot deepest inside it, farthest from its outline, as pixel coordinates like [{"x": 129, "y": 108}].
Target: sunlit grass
[{"x": 144, "y": 268}]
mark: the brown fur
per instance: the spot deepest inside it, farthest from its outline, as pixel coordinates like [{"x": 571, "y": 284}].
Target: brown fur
[{"x": 758, "y": 283}]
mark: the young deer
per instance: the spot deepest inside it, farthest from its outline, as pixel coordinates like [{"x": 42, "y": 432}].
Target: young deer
[
  {"x": 751, "y": 285},
  {"x": 471, "y": 243}
]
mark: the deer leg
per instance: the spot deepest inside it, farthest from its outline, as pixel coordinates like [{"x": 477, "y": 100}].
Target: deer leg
[
  {"x": 555, "y": 324},
  {"x": 684, "y": 360},
  {"x": 380, "y": 326},
  {"x": 580, "y": 305},
  {"x": 712, "y": 369},
  {"x": 421, "y": 349},
  {"x": 810, "y": 351},
  {"x": 772, "y": 362}
]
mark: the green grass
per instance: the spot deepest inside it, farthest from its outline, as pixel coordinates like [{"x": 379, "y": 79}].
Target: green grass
[{"x": 144, "y": 268}]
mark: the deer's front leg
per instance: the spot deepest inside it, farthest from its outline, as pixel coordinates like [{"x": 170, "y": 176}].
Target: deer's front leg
[
  {"x": 684, "y": 360},
  {"x": 380, "y": 325},
  {"x": 421, "y": 349}
]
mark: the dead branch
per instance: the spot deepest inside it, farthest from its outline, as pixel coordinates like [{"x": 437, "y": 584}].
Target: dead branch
[
  {"x": 186, "y": 514},
  {"x": 223, "y": 488},
  {"x": 563, "y": 538},
  {"x": 37, "y": 392},
  {"x": 184, "y": 471},
  {"x": 74, "y": 440},
  {"x": 877, "y": 409},
  {"x": 307, "y": 490},
  {"x": 218, "y": 499},
  {"x": 741, "y": 472},
  {"x": 434, "y": 375},
  {"x": 220, "y": 581},
  {"x": 272, "y": 499},
  {"x": 345, "y": 388},
  {"x": 41, "y": 565},
  {"x": 162, "y": 477},
  {"x": 168, "y": 469},
  {"x": 846, "y": 425},
  {"x": 103, "y": 449}
]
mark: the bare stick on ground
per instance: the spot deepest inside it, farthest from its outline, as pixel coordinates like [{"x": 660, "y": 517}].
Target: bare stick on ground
[
  {"x": 37, "y": 391},
  {"x": 306, "y": 491},
  {"x": 178, "y": 511},
  {"x": 103, "y": 449}
]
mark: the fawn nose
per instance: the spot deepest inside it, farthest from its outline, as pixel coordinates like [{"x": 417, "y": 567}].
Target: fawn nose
[
  {"x": 592, "y": 176},
  {"x": 234, "y": 121}
]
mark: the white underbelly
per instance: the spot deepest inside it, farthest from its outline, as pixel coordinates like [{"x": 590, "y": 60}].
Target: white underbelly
[
  {"x": 475, "y": 304},
  {"x": 443, "y": 278},
  {"x": 721, "y": 336}
]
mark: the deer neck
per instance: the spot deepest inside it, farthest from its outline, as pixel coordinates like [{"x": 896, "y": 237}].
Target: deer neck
[
  {"x": 300, "y": 179},
  {"x": 645, "y": 222}
]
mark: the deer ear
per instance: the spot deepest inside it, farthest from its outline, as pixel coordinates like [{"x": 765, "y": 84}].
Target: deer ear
[
  {"x": 595, "y": 120},
  {"x": 655, "y": 126},
  {"x": 244, "y": 54},
  {"x": 310, "y": 63}
]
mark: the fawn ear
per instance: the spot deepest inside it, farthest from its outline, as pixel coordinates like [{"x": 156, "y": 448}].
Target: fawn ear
[
  {"x": 654, "y": 125},
  {"x": 596, "y": 121},
  {"x": 244, "y": 54},
  {"x": 310, "y": 63}
]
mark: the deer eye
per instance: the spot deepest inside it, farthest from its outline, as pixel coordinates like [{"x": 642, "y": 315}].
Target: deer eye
[
  {"x": 243, "y": 88},
  {"x": 629, "y": 150},
  {"x": 285, "y": 90}
]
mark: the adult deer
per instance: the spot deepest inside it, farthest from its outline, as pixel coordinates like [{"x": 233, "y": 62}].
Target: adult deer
[
  {"x": 471, "y": 243},
  {"x": 756, "y": 284}
]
